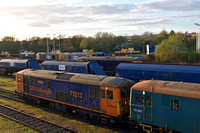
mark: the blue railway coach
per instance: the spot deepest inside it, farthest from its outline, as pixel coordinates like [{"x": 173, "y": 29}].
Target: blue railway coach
[
  {"x": 159, "y": 72},
  {"x": 166, "y": 105},
  {"x": 15, "y": 65},
  {"x": 74, "y": 67}
]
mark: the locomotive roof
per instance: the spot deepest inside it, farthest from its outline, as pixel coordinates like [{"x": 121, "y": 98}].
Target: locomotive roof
[
  {"x": 108, "y": 58},
  {"x": 97, "y": 80},
  {"x": 182, "y": 89}
]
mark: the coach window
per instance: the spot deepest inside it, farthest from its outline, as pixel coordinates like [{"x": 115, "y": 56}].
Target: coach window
[
  {"x": 110, "y": 95},
  {"x": 148, "y": 100},
  {"x": 103, "y": 95},
  {"x": 174, "y": 105},
  {"x": 139, "y": 99}
]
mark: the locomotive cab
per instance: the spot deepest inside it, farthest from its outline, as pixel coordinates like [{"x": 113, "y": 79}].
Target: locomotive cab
[{"x": 115, "y": 101}]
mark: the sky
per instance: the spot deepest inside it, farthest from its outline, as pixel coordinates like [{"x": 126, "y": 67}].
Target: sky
[{"x": 27, "y": 18}]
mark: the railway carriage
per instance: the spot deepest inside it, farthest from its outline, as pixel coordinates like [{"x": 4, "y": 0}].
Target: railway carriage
[
  {"x": 108, "y": 63},
  {"x": 74, "y": 67},
  {"x": 166, "y": 105},
  {"x": 27, "y": 55},
  {"x": 100, "y": 97},
  {"x": 15, "y": 65},
  {"x": 178, "y": 73},
  {"x": 42, "y": 56}
]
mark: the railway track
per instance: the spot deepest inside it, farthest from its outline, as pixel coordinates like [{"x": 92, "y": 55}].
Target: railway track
[
  {"x": 32, "y": 122},
  {"x": 14, "y": 97}
]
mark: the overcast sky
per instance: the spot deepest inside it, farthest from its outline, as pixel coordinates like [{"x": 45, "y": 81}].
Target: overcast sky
[{"x": 28, "y": 18}]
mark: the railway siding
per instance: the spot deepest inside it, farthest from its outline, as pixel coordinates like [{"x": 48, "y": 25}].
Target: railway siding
[{"x": 31, "y": 121}]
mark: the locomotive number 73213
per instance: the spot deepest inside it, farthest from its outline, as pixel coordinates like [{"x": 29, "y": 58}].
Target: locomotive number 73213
[{"x": 76, "y": 94}]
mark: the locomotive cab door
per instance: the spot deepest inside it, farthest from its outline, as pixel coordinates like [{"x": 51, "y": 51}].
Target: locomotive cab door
[
  {"x": 143, "y": 107},
  {"x": 108, "y": 103},
  {"x": 19, "y": 81}
]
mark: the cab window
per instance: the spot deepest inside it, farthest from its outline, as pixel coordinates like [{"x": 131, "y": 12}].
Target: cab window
[
  {"x": 18, "y": 79},
  {"x": 110, "y": 94},
  {"x": 125, "y": 92},
  {"x": 139, "y": 99},
  {"x": 148, "y": 101}
]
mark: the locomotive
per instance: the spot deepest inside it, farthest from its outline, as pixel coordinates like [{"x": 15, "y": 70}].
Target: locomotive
[
  {"x": 100, "y": 97},
  {"x": 168, "y": 106}
]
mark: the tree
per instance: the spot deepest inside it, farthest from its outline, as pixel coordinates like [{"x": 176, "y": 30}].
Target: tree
[
  {"x": 103, "y": 41},
  {"x": 159, "y": 38},
  {"x": 87, "y": 43},
  {"x": 9, "y": 39},
  {"x": 171, "y": 49},
  {"x": 11, "y": 44},
  {"x": 172, "y": 33},
  {"x": 163, "y": 32},
  {"x": 117, "y": 41},
  {"x": 72, "y": 44}
]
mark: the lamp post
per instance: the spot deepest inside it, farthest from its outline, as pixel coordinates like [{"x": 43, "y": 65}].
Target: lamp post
[
  {"x": 47, "y": 44},
  {"x": 198, "y": 38},
  {"x": 54, "y": 46}
]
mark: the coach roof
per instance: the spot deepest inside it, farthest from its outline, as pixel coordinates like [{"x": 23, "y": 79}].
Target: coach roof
[
  {"x": 98, "y": 80},
  {"x": 182, "y": 89}
]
